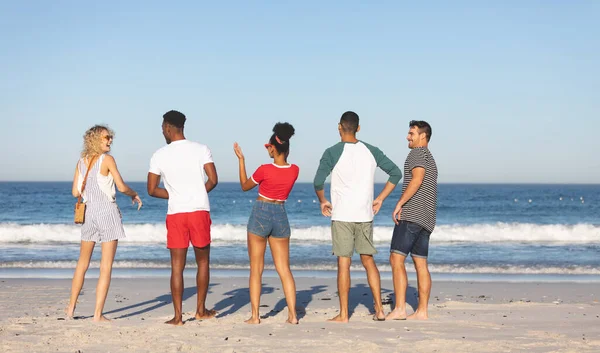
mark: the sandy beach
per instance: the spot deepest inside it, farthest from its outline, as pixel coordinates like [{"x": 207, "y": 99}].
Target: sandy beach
[{"x": 464, "y": 317}]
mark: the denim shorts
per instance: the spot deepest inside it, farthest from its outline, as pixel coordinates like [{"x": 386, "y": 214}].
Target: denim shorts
[
  {"x": 410, "y": 238},
  {"x": 269, "y": 219}
]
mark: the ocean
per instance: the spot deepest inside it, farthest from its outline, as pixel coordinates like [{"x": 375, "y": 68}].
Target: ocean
[{"x": 484, "y": 232}]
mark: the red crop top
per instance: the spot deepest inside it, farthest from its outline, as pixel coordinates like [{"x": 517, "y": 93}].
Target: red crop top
[{"x": 275, "y": 182}]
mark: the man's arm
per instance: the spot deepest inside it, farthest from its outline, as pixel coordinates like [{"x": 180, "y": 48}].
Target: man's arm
[
  {"x": 153, "y": 189},
  {"x": 213, "y": 178},
  {"x": 417, "y": 173},
  {"x": 387, "y": 190},
  {"x": 391, "y": 169},
  {"x": 325, "y": 204},
  {"x": 325, "y": 167}
]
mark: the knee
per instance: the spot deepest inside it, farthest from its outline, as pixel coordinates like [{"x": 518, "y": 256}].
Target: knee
[
  {"x": 396, "y": 260},
  {"x": 257, "y": 266},
  {"x": 420, "y": 264},
  {"x": 106, "y": 267},
  {"x": 367, "y": 260},
  {"x": 202, "y": 262},
  {"x": 283, "y": 269},
  {"x": 83, "y": 265},
  {"x": 344, "y": 263},
  {"x": 177, "y": 268}
]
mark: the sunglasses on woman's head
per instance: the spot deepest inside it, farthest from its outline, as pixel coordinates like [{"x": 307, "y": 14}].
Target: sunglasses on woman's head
[{"x": 108, "y": 137}]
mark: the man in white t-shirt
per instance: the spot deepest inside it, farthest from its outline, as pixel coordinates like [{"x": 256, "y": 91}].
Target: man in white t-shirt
[
  {"x": 352, "y": 164},
  {"x": 184, "y": 166}
]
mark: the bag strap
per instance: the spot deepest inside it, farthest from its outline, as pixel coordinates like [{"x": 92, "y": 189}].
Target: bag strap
[{"x": 90, "y": 166}]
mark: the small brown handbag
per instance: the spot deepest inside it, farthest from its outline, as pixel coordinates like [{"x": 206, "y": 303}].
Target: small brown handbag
[{"x": 80, "y": 206}]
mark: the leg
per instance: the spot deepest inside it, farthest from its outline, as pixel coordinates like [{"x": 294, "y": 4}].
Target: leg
[
  {"x": 178, "y": 257},
  {"x": 108, "y": 255},
  {"x": 202, "y": 281},
  {"x": 256, "y": 252},
  {"x": 424, "y": 285},
  {"x": 400, "y": 284},
  {"x": 280, "y": 249},
  {"x": 85, "y": 254},
  {"x": 375, "y": 283},
  {"x": 343, "y": 283}
]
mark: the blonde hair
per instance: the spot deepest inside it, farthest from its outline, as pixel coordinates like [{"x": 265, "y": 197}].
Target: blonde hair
[{"x": 92, "y": 140}]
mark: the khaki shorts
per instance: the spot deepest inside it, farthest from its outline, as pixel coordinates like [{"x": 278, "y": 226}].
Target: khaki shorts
[{"x": 348, "y": 237}]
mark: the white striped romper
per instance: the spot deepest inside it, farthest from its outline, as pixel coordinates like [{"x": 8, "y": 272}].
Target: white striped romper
[{"x": 103, "y": 221}]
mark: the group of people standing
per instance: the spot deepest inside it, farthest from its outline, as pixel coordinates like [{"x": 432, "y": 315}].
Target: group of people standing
[{"x": 188, "y": 174}]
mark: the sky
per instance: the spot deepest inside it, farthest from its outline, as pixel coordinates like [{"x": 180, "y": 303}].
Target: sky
[{"x": 510, "y": 88}]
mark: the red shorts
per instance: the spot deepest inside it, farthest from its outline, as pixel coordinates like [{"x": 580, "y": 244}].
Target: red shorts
[{"x": 189, "y": 226}]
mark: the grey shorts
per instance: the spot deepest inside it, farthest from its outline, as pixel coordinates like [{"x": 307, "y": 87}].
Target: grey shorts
[
  {"x": 348, "y": 237},
  {"x": 102, "y": 223}
]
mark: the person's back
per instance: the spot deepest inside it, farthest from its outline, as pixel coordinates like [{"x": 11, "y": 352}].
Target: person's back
[
  {"x": 188, "y": 174},
  {"x": 352, "y": 179},
  {"x": 181, "y": 165},
  {"x": 100, "y": 189},
  {"x": 352, "y": 165}
]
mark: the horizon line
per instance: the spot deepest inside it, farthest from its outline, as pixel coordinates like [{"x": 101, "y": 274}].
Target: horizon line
[{"x": 310, "y": 182}]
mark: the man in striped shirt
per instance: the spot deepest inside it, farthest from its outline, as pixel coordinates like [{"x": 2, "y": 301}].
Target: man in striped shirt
[{"x": 414, "y": 216}]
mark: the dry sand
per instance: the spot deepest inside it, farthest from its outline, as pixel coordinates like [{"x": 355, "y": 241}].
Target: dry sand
[{"x": 464, "y": 317}]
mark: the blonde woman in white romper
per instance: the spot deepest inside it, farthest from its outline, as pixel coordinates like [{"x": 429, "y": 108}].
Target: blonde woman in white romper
[{"x": 102, "y": 216}]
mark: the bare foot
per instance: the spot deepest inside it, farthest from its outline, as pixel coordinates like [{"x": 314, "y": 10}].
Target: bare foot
[
  {"x": 379, "y": 316},
  {"x": 176, "y": 321},
  {"x": 292, "y": 320},
  {"x": 417, "y": 315},
  {"x": 102, "y": 318},
  {"x": 70, "y": 312},
  {"x": 397, "y": 314},
  {"x": 339, "y": 318},
  {"x": 253, "y": 321},
  {"x": 207, "y": 314}
]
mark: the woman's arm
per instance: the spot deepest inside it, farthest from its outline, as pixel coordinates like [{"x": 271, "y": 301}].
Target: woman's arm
[
  {"x": 121, "y": 186},
  {"x": 245, "y": 182},
  {"x": 75, "y": 189}
]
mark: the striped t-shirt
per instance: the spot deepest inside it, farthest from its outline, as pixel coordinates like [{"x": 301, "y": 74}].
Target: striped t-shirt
[{"x": 421, "y": 208}]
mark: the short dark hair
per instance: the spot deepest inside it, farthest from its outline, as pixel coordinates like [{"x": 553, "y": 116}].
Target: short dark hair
[
  {"x": 174, "y": 118},
  {"x": 349, "y": 122},
  {"x": 423, "y": 127}
]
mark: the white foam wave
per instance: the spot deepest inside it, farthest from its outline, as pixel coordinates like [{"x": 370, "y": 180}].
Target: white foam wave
[
  {"x": 435, "y": 268},
  {"x": 225, "y": 233}
]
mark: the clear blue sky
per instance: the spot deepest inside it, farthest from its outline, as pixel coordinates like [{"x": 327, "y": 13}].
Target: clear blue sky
[{"x": 511, "y": 88}]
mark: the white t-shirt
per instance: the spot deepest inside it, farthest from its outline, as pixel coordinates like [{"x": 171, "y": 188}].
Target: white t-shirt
[
  {"x": 352, "y": 168},
  {"x": 181, "y": 167}
]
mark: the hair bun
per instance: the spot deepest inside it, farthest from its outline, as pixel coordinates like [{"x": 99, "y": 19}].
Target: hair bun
[{"x": 284, "y": 131}]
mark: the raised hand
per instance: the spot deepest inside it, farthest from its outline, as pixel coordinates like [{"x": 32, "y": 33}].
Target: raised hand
[{"x": 238, "y": 151}]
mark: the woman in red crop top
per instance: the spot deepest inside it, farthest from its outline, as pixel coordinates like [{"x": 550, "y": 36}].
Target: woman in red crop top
[{"x": 268, "y": 220}]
